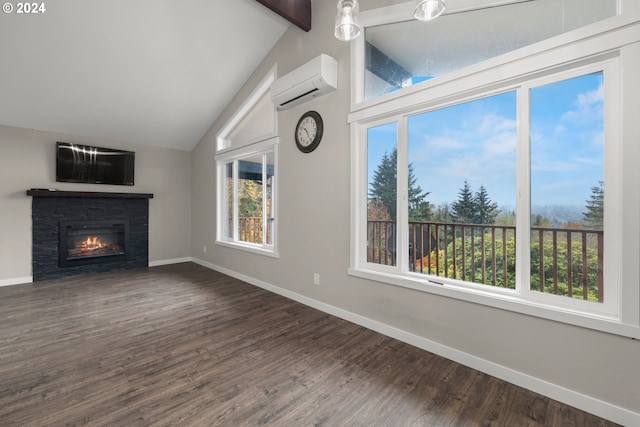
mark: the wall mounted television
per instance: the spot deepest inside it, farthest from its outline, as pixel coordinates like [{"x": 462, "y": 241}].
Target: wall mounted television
[{"x": 94, "y": 165}]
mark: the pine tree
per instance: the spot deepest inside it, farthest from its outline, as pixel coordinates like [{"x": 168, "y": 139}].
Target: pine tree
[
  {"x": 442, "y": 213},
  {"x": 486, "y": 211},
  {"x": 419, "y": 208},
  {"x": 594, "y": 217},
  {"x": 463, "y": 210},
  {"x": 384, "y": 188},
  {"x": 249, "y": 198},
  {"x": 384, "y": 184}
]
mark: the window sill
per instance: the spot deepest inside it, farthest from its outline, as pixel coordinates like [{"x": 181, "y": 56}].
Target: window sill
[
  {"x": 505, "y": 301},
  {"x": 254, "y": 249}
]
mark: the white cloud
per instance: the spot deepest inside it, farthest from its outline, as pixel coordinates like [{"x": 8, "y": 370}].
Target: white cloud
[
  {"x": 484, "y": 152},
  {"x": 592, "y": 97},
  {"x": 589, "y": 107},
  {"x": 443, "y": 142},
  {"x": 493, "y": 123}
]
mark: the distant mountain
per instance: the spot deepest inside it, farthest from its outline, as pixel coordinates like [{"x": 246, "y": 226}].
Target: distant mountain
[{"x": 559, "y": 214}]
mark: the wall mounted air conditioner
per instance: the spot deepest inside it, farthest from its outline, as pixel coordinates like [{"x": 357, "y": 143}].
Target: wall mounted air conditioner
[{"x": 315, "y": 78}]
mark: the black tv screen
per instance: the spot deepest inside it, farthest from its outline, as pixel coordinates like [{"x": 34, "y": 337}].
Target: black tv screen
[{"x": 94, "y": 165}]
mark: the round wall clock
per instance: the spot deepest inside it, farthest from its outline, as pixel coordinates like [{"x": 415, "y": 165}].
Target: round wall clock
[{"x": 309, "y": 131}]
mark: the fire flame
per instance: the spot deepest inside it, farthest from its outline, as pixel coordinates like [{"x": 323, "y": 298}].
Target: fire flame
[
  {"x": 93, "y": 246},
  {"x": 92, "y": 242}
]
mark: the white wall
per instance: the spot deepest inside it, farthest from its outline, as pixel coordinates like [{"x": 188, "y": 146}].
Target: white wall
[
  {"x": 27, "y": 160},
  {"x": 593, "y": 370}
]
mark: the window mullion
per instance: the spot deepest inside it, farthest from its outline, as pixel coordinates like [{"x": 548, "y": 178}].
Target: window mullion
[
  {"x": 265, "y": 220},
  {"x": 273, "y": 226},
  {"x": 523, "y": 187},
  {"x": 359, "y": 154},
  {"x": 236, "y": 209},
  {"x": 403, "y": 196}
]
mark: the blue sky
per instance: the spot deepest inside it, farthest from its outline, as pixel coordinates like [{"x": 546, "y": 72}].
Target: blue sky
[{"x": 476, "y": 141}]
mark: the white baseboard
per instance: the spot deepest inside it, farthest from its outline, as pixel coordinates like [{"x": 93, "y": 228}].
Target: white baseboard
[
  {"x": 578, "y": 400},
  {"x": 169, "y": 261},
  {"x": 16, "y": 281},
  {"x": 29, "y": 279}
]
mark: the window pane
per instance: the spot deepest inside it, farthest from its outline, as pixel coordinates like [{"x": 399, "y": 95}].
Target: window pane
[
  {"x": 256, "y": 125},
  {"x": 228, "y": 198},
  {"x": 567, "y": 187},
  {"x": 382, "y": 152},
  {"x": 405, "y": 53},
  {"x": 462, "y": 191},
  {"x": 270, "y": 197},
  {"x": 250, "y": 199}
]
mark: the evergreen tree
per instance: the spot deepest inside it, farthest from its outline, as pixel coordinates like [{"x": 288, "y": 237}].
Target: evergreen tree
[
  {"x": 463, "y": 210},
  {"x": 384, "y": 185},
  {"x": 384, "y": 188},
  {"x": 486, "y": 211},
  {"x": 594, "y": 217},
  {"x": 249, "y": 198},
  {"x": 419, "y": 208},
  {"x": 541, "y": 221},
  {"x": 443, "y": 213}
]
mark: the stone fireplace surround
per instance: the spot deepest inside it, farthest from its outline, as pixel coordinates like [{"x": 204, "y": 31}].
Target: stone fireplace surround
[{"x": 51, "y": 207}]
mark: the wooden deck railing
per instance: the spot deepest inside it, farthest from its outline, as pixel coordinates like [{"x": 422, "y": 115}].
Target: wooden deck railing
[
  {"x": 563, "y": 261},
  {"x": 250, "y": 230}
]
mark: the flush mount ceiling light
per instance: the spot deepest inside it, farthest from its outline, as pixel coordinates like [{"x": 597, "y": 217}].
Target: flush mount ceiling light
[{"x": 347, "y": 25}]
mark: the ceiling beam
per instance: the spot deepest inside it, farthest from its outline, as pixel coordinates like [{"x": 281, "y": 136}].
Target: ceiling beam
[{"x": 298, "y": 12}]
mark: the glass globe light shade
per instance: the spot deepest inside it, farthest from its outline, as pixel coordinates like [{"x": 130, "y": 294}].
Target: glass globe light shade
[
  {"x": 426, "y": 10},
  {"x": 347, "y": 25}
]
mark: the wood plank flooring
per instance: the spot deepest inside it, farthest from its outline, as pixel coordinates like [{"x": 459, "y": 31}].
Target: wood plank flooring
[{"x": 182, "y": 345}]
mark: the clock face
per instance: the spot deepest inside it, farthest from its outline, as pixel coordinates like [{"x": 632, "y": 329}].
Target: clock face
[{"x": 309, "y": 131}]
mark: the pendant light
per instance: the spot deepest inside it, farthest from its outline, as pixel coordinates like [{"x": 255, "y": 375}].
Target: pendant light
[
  {"x": 347, "y": 25},
  {"x": 426, "y": 10}
]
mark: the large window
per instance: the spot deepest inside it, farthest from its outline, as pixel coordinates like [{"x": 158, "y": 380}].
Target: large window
[
  {"x": 248, "y": 194},
  {"x": 462, "y": 177},
  {"x": 247, "y": 170},
  {"x": 460, "y": 194},
  {"x": 501, "y": 183},
  {"x": 567, "y": 187}
]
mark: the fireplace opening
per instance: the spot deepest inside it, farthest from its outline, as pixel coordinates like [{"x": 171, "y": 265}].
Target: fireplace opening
[{"x": 92, "y": 242}]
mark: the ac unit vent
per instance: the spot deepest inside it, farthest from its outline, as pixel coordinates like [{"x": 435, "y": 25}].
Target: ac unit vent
[{"x": 311, "y": 80}]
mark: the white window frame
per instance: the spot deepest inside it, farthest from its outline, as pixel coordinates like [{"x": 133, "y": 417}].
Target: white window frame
[
  {"x": 611, "y": 46},
  {"x": 263, "y": 149},
  {"x": 227, "y": 152},
  {"x": 610, "y": 306}
]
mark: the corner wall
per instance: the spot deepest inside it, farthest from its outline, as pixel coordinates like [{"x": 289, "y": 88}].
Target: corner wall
[{"x": 27, "y": 160}]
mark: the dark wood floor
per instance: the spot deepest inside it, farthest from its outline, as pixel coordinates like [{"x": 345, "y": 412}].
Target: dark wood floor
[{"x": 182, "y": 345}]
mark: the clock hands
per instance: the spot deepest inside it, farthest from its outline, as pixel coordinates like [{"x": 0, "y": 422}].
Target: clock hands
[{"x": 309, "y": 131}]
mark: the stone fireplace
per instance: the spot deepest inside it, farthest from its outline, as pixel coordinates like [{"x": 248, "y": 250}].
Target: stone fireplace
[{"x": 77, "y": 233}]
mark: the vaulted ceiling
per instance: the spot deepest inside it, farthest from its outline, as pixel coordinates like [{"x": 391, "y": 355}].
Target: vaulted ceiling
[{"x": 153, "y": 72}]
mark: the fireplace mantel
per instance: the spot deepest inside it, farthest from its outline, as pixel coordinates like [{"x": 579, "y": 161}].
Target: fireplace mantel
[{"x": 38, "y": 192}]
